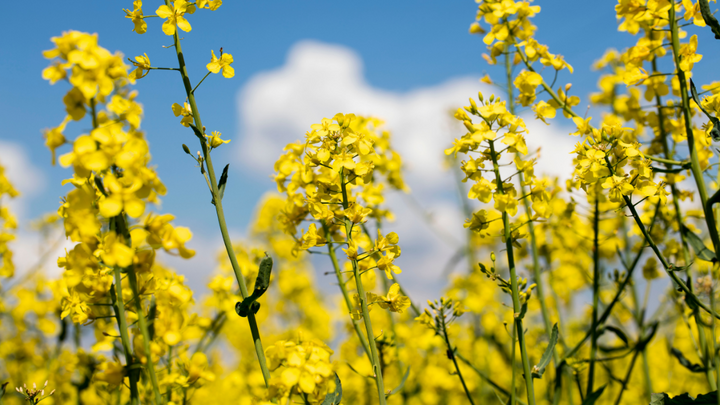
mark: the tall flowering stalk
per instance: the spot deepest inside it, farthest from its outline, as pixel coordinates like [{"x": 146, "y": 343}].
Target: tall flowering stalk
[{"x": 335, "y": 179}]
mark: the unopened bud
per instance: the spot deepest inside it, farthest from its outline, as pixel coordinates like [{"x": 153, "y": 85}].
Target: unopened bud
[
  {"x": 187, "y": 150},
  {"x": 492, "y": 256},
  {"x": 567, "y": 87}
]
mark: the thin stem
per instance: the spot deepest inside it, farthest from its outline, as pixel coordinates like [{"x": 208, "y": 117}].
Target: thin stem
[
  {"x": 218, "y": 207},
  {"x": 119, "y": 307},
  {"x": 694, "y": 159},
  {"x": 683, "y": 240},
  {"x": 451, "y": 354},
  {"x": 596, "y": 294},
  {"x": 531, "y": 226},
  {"x": 514, "y": 284},
  {"x": 132, "y": 279},
  {"x": 363, "y": 300},
  {"x": 200, "y": 82},
  {"x": 345, "y": 293}
]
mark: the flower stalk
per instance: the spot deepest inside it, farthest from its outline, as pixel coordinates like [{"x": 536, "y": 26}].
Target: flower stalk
[{"x": 199, "y": 131}]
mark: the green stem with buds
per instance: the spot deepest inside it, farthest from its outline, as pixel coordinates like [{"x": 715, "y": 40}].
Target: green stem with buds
[{"x": 218, "y": 206}]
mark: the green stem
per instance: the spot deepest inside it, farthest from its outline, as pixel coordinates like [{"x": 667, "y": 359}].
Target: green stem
[
  {"x": 715, "y": 351},
  {"x": 669, "y": 269},
  {"x": 684, "y": 243},
  {"x": 132, "y": 279},
  {"x": 514, "y": 284},
  {"x": 531, "y": 226},
  {"x": 218, "y": 207},
  {"x": 513, "y": 390},
  {"x": 451, "y": 354},
  {"x": 694, "y": 159},
  {"x": 199, "y": 83},
  {"x": 345, "y": 293},
  {"x": 119, "y": 307},
  {"x": 596, "y": 294},
  {"x": 363, "y": 300}
]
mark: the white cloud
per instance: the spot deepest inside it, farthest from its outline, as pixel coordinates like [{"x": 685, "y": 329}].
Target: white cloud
[
  {"x": 319, "y": 80},
  {"x": 31, "y": 251}
]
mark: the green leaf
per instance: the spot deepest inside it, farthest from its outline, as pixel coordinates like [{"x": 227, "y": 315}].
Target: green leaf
[
  {"x": 100, "y": 186},
  {"x": 618, "y": 332},
  {"x": 590, "y": 399},
  {"x": 334, "y": 398},
  {"x": 702, "y": 252},
  {"x": 223, "y": 182},
  {"x": 695, "y": 368},
  {"x": 401, "y": 385},
  {"x": 684, "y": 399},
  {"x": 262, "y": 282},
  {"x": 547, "y": 355}
]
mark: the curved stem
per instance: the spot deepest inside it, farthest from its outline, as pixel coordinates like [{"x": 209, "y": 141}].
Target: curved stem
[
  {"x": 218, "y": 207},
  {"x": 451, "y": 354}
]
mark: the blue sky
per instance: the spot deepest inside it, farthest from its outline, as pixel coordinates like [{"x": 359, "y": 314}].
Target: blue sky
[{"x": 400, "y": 47}]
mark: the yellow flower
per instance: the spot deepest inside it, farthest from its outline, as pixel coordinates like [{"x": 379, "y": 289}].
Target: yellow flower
[
  {"x": 223, "y": 63},
  {"x": 544, "y": 110},
  {"x": 618, "y": 186},
  {"x": 185, "y": 111},
  {"x": 426, "y": 319},
  {"x": 687, "y": 54},
  {"x": 312, "y": 238},
  {"x": 386, "y": 264},
  {"x": 116, "y": 253},
  {"x": 137, "y": 17},
  {"x": 175, "y": 16},
  {"x": 482, "y": 190},
  {"x": 197, "y": 368},
  {"x": 526, "y": 82},
  {"x": 478, "y": 222},
  {"x": 121, "y": 195},
  {"x": 211, "y": 4},
  {"x": 215, "y": 140},
  {"x": 357, "y": 214},
  {"x": 54, "y": 138},
  {"x": 143, "y": 67},
  {"x": 393, "y": 300}
]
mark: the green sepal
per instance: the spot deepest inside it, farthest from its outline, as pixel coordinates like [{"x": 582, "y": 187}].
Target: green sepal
[
  {"x": 333, "y": 398},
  {"x": 701, "y": 251},
  {"x": 547, "y": 355},
  {"x": 262, "y": 282}
]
